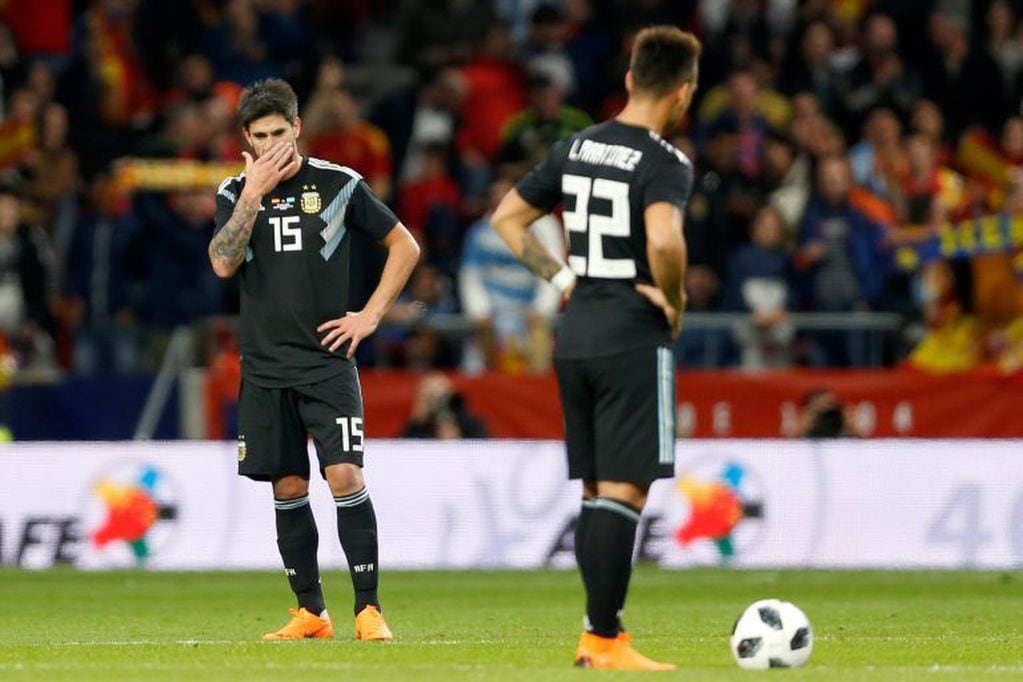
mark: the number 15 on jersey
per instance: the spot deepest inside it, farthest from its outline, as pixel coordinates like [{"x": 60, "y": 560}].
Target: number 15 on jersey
[{"x": 286, "y": 228}]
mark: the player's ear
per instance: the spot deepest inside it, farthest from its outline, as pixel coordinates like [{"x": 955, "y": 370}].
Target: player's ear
[
  {"x": 248, "y": 138},
  {"x": 685, "y": 92},
  {"x": 629, "y": 82},
  {"x": 297, "y": 125}
]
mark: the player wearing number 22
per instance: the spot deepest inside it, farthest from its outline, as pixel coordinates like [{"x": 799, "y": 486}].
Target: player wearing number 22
[
  {"x": 284, "y": 225},
  {"x": 623, "y": 189}
]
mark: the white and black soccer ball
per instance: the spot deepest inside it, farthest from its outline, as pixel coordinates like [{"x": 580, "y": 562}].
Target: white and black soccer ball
[{"x": 772, "y": 633}]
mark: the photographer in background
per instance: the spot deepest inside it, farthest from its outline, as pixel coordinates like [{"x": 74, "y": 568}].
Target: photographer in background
[
  {"x": 440, "y": 412},
  {"x": 824, "y": 415}
]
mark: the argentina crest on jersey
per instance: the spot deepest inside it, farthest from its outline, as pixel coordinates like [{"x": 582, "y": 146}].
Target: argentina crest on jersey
[{"x": 311, "y": 201}]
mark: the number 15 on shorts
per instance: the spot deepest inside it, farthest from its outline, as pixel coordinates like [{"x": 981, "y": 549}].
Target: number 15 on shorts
[{"x": 351, "y": 433}]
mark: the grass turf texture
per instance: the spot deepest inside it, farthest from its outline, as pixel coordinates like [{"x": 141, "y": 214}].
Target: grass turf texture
[{"x": 64, "y": 625}]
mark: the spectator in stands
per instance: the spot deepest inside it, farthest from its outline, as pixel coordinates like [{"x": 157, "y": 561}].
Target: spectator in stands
[
  {"x": 703, "y": 346},
  {"x": 102, "y": 271},
  {"x": 439, "y": 411},
  {"x": 196, "y": 83},
  {"x": 25, "y": 318},
  {"x": 963, "y": 79},
  {"x": 420, "y": 116},
  {"x": 741, "y": 113},
  {"x": 812, "y": 69},
  {"x": 438, "y": 33},
  {"x": 723, "y": 201},
  {"x": 416, "y": 343},
  {"x": 9, "y": 66},
  {"x": 430, "y": 205},
  {"x": 840, "y": 261},
  {"x": 339, "y": 134},
  {"x": 52, "y": 178},
  {"x": 928, "y": 194},
  {"x": 880, "y": 78},
  {"x": 527, "y": 137},
  {"x": 815, "y": 134},
  {"x": 879, "y": 159},
  {"x": 758, "y": 283},
  {"x": 510, "y": 308},
  {"x": 787, "y": 180},
  {"x": 174, "y": 238},
  {"x": 1004, "y": 44},
  {"x": 19, "y": 132},
  {"x": 928, "y": 120},
  {"x": 546, "y": 53},
  {"x": 495, "y": 92},
  {"x": 240, "y": 50}
]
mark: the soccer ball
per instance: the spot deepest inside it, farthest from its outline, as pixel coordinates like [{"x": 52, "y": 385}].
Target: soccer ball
[{"x": 772, "y": 633}]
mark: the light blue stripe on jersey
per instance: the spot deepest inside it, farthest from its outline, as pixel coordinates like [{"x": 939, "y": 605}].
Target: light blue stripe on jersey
[
  {"x": 665, "y": 406},
  {"x": 334, "y": 216},
  {"x": 249, "y": 254}
]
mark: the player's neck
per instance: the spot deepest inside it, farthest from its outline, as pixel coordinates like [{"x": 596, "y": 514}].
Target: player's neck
[{"x": 646, "y": 113}]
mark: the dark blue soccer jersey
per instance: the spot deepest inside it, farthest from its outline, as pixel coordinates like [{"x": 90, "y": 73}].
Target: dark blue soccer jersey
[
  {"x": 605, "y": 177},
  {"x": 295, "y": 274}
]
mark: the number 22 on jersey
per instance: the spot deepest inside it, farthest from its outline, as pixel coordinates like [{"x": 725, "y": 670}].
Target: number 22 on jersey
[
  {"x": 283, "y": 230},
  {"x": 579, "y": 219}
]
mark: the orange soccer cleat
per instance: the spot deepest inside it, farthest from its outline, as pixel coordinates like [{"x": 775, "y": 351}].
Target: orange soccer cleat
[
  {"x": 605, "y": 653},
  {"x": 370, "y": 625},
  {"x": 304, "y": 624}
]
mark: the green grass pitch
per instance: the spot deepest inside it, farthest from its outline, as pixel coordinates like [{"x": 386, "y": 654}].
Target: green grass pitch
[{"x": 476, "y": 625}]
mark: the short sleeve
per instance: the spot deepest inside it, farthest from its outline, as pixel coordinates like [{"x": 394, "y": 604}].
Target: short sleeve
[
  {"x": 671, "y": 182},
  {"x": 368, "y": 214},
  {"x": 227, "y": 197},
  {"x": 541, "y": 186}
]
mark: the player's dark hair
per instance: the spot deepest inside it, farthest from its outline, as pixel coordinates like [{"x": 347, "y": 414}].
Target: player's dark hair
[
  {"x": 266, "y": 98},
  {"x": 663, "y": 58}
]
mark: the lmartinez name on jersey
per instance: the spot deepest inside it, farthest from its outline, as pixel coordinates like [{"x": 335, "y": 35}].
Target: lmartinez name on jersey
[{"x": 601, "y": 154}]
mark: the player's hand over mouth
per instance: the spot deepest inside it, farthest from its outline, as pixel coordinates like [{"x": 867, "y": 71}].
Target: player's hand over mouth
[{"x": 263, "y": 174}]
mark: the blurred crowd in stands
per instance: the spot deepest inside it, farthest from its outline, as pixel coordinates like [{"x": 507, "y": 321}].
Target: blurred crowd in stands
[{"x": 850, "y": 156}]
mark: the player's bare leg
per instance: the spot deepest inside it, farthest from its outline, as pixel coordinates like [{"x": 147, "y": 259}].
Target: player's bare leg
[
  {"x": 357, "y": 530},
  {"x": 606, "y": 565},
  {"x": 298, "y": 540}
]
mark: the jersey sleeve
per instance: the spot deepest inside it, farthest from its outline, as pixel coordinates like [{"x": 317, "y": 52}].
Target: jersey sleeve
[
  {"x": 227, "y": 197},
  {"x": 541, "y": 186},
  {"x": 671, "y": 182},
  {"x": 367, "y": 213}
]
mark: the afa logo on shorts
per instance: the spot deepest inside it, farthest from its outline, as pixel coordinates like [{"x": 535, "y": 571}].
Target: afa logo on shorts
[
  {"x": 131, "y": 512},
  {"x": 243, "y": 450},
  {"x": 725, "y": 506}
]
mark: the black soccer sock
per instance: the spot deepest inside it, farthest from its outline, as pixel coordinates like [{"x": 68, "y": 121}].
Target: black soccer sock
[
  {"x": 297, "y": 541},
  {"x": 582, "y": 526},
  {"x": 609, "y": 544},
  {"x": 357, "y": 529}
]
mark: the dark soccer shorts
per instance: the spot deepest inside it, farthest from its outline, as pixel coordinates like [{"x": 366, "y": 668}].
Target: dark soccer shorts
[
  {"x": 620, "y": 415},
  {"x": 274, "y": 425}
]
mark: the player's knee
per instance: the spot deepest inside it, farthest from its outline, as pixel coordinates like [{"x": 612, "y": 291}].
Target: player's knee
[
  {"x": 345, "y": 479},
  {"x": 629, "y": 493},
  {"x": 290, "y": 487}
]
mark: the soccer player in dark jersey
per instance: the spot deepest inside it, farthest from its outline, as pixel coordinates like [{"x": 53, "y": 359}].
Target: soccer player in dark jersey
[
  {"x": 624, "y": 190},
  {"x": 282, "y": 225}
]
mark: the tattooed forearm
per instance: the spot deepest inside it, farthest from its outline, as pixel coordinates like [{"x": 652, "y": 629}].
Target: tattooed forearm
[
  {"x": 227, "y": 250},
  {"x": 537, "y": 258}
]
